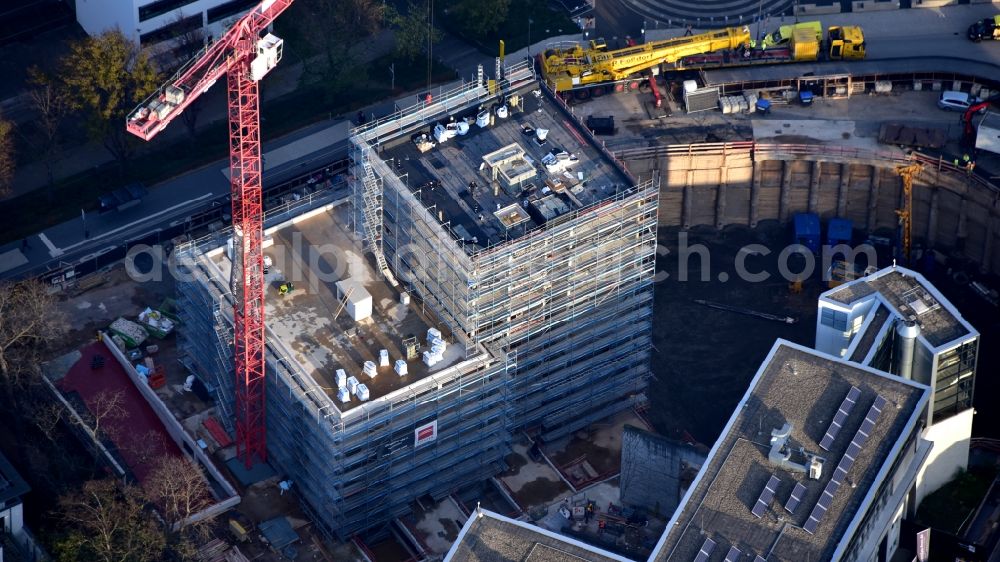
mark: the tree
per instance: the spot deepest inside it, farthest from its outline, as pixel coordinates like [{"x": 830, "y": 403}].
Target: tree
[
  {"x": 29, "y": 322},
  {"x": 107, "y": 521},
  {"x": 105, "y": 77},
  {"x": 336, "y": 29},
  {"x": 482, "y": 17},
  {"x": 178, "y": 489},
  {"x": 6, "y": 156},
  {"x": 49, "y": 102},
  {"x": 105, "y": 408},
  {"x": 414, "y": 31}
]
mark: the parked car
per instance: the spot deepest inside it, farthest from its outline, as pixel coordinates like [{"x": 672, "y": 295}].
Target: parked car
[{"x": 952, "y": 100}]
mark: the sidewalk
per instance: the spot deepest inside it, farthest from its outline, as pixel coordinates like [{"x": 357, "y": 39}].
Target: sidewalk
[{"x": 75, "y": 160}]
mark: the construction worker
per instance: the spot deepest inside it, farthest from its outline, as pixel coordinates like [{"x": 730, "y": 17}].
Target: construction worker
[
  {"x": 966, "y": 159},
  {"x": 688, "y": 32},
  {"x": 970, "y": 168},
  {"x": 956, "y": 162},
  {"x": 753, "y": 43}
]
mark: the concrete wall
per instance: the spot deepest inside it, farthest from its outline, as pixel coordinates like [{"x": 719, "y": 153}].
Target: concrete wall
[
  {"x": 652, "y": 470},
  {"x": 714, "y": 185},
  {"x": 949, "y": 454}
]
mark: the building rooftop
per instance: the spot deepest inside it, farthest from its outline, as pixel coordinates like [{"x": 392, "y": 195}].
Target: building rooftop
[
  {"x": 313, "y": 323},
  {"x": 480, "y": 182},
  {"x": 910, "y": 296},
  {"x": 803, "y": 388},
  {"x": 12, "y": 486},
  {"x": 490, "y": 537}
]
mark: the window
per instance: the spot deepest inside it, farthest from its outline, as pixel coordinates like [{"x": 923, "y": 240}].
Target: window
[
  {"x": 834, "y": 319},
  {"x": 172, "y": 30},
  {"x": 232, "y": 8},
  {"x": 160, "y": 7}
]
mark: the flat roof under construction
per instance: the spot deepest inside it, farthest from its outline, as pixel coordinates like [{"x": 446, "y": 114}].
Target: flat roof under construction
[
  {"x": 313, "y": 328},
  {"x": 497, "y": 182}
]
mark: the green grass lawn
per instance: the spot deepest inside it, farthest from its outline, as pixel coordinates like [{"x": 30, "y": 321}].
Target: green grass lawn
[
  {"x": 947, "y": 508},
  {"x": 546, "y": 21},
  {"x": 45, "y": 207}
]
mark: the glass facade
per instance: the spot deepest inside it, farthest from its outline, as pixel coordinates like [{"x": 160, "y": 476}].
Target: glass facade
[{"x": 954, "y": 380}]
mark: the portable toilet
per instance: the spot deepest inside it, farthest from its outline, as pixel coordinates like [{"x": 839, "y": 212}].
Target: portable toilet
[
  {"x": 839, "y": 231},
  {"x": 807, "y": 231}
]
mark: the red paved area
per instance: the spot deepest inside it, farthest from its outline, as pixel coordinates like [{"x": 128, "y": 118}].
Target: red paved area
[{"x": 139, "y": 435}]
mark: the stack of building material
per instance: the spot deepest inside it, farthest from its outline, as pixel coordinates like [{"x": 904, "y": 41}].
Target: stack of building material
[
  {"x": 383, "y": 358},
  {"x": 370, "y": 369},
  {"x": 341, "y": 378},
  {"x": 343, "y": 395},
  {"x": 436, "y": 353},
  {"x": 362, "y": 392},
  {"x": 131, "y": 333},
  {"x": 401, "y": 368},
  {"x": 156, "y": 323},
  {"x": 352, "y": 385}
]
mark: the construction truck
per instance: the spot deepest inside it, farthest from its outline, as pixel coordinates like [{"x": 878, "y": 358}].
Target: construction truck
[
  {"x": 985, "y": 29},
  {"x": 575, "y": 66},
  {"x": 843, "y": 43},
  {"x": 783, "y": 35}
]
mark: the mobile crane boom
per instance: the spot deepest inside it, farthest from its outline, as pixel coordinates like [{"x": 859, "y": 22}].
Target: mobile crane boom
[
  {"x": 567, "y": 66},
  {"x": 243, "y": 57}
]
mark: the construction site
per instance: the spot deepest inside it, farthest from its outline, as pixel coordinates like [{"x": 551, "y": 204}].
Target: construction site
[
  {"x": 507, "y": 303},
  {"x": 407, "y": 348}
]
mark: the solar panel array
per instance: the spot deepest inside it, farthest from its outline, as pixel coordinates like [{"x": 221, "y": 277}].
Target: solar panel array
[
  {"x": 796, "y": 498},
  {"x": 733, "y": 555},
  {"x": 840, "y": 417},
  {"x": 706, "y": 550},
  {"x": 766, "y": 495},
  {"x": 860, "y": 438}
]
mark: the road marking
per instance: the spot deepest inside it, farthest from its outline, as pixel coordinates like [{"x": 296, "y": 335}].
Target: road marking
[
  {"x": 147, "y": 218},
  {"x": 53, "y": 251}
]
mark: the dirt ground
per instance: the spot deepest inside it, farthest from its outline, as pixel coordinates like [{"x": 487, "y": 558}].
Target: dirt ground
[{"x": 703, "y": 357}]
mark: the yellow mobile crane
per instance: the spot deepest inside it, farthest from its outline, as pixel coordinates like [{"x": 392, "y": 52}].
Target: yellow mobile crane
[{"x": 575, "y": 65}]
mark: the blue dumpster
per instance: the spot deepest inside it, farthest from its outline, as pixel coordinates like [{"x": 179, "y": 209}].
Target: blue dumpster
[
  {"x": 839, "y": 231},
  {"x": 807, "y": 231}
]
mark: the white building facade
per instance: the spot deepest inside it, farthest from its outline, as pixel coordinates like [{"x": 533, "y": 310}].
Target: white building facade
[
  {"x": 896, "y": 321},
  {"x": 155, "y": 22}
]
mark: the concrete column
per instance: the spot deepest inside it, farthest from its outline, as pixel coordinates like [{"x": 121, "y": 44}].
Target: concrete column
[
  {"x": 963, "y": 217},
  {"x": 686, "y": 210},
  {"x": 871, "y": 219},
  {"x": 755, "y": 194},
  {"x": 817, "y": 169},
  {"x": 985, "y": 263},
  {"x": 932, "y": 217},
  {"x": 720, "y": 198},
  {"x": 845, "y": 184},
  {"x": 786, "y": 186}
]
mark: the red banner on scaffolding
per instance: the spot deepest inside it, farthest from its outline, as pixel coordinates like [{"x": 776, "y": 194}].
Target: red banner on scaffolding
[{"x": 425, "y": 433}]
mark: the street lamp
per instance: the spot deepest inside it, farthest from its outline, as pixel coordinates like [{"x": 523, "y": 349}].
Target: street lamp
[{"x": 530, "y": 21}]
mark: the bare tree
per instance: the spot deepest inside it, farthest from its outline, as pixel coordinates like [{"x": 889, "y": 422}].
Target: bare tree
[
  {"x": 147, "y": 450},
  {"x": 106, "y": 408},
  {"x": 107, "y": 521},
  {"x": 29, "y": 323},
  {"x": 49, "y": 102},
  {"x": 47, "y": 417},
  {"x": 7, "y": 162},
  {"x": 178, "y": 488}
]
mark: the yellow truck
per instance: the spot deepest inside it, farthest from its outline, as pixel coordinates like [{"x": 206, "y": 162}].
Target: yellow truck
[
  {"x": 783, "y": 35},
  {"x": 842, "y": 43}
]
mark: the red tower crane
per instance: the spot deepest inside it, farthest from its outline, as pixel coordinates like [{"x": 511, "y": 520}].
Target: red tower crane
[{"x": 244, "y": 57}]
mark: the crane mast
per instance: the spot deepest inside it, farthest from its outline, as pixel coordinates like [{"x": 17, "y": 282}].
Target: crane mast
[
  {"x": 907, "y": 174},
  {"x": 243, "y": 57}
]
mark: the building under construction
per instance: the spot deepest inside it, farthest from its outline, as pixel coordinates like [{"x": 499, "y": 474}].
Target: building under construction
[{"x": 491, "y": 273}]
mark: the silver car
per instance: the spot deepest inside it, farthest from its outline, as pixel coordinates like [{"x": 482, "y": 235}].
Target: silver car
[{"x": 953, "y": 100}]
